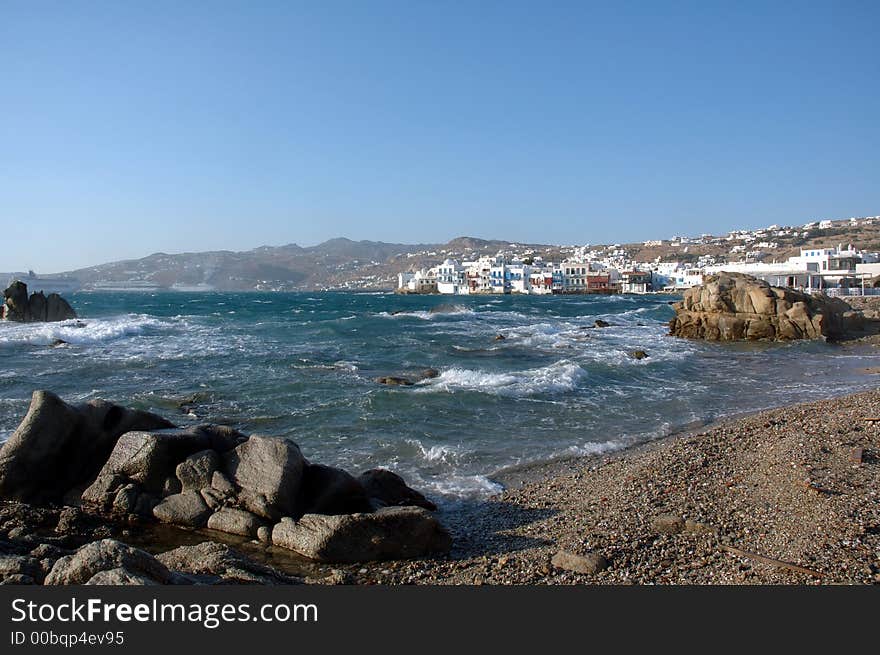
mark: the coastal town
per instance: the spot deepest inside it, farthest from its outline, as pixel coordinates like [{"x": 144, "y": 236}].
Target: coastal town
[
  {"x": 842, "y": 269},
  {"x": 839, "y": 257}
]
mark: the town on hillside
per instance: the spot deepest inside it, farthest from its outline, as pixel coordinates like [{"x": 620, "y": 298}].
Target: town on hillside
[{"x": 839, "y": 271}]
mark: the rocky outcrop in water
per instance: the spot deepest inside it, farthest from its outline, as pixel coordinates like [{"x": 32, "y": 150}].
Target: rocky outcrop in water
[
  {"x": 127, "y": 465},
  {"x": 17, "y": 306},
  {"x": 738, "y": 307}
]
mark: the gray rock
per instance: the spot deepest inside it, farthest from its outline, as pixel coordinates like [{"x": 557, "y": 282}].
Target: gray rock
[
  {"x": 221, "y": 483},
  {"x": 101, "y": 494},
  {"x": 587, "y": 564},
  {"x": 196, "y": 471},
  {"x": 104, "y": 555},
  {"x": 220, "y": 563},
  {"x": 58, "y": 309},
  {"x": 269, "y": 473},
  {"x": 58, "y": 447},
  {"x": 20, "y": 565},
  {"x": 213, "y": 498},
  {"x": 120, "y": 577},
  {"x": 264, "y": 534},
  {"x": 668, "y": 524},
  {"x": 390, "y": 533},
  {"x": 126, "y": 499},
  {"x": 329, "y": 490},
  {"x": 15, "y": 302},
  {"x": 394, "y": 381},
  {"x": 235, "y": 521},
  {"x": 391, "y": 489},
  {"x": 187, "y": 509}
]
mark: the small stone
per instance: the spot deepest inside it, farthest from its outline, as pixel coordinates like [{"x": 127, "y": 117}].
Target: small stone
[
  {"x": 588, "y": 564},
  {"x": 668, "y": 524}
]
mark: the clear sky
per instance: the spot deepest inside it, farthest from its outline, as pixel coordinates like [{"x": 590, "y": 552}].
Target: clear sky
[{"x": 133, "y": 127}]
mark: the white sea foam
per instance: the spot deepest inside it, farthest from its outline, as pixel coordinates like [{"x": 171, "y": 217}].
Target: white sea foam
[
  {"x": 77, "y": 331},
  {"x": 560, "y": 377}
]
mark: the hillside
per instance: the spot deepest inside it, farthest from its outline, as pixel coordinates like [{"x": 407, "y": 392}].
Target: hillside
[{"x": 373, "y": 265}]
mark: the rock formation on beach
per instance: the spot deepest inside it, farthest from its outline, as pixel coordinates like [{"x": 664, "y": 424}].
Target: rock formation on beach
[
  {"x": 737, "y": 307},
  {"x": 17, "y": 306},
  {"x": 127, "y": 465}
]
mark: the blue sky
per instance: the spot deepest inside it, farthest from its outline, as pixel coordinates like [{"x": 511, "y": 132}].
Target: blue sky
[{"x": 129, "y": 128}]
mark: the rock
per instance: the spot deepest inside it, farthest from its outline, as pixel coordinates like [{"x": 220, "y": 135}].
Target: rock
[
  {"x": 126, "y": 499},
  {"x": 15, "y": 306},
  {"x": 499, "y": 337},
  {"x": 58, "y": 447},
  {"x": 390, "y": 533},
  {"x": 197, "y": 470},
  {"x": 264, "y": 534},
  {"x": 394, "y": 381},
  {"x": 101, "y": 494},
  {"x": 587, "y": 564},
  {"x": 429, "y": 374},
  {"x": 57, "y": 342},
  {"x": 328, "y": 490},
  {"x": 213, "y": 498},
  {"x": 235, "y": 521},
  {"x": 105, "y": 555},
  {"x": 221, "y": 483},
  {"x": 58, "y": 309},
  {"x": 268, "y": 472},
  {"x": 668, "y": 524},
  {"x": 37, "y": 308},
  {"x": 220, "y": 563},
  {"x": 120, "y": 577},
  {"x": 20, "y": 565},
  {"x": 187, "y": 508},
  {"x": 391, "y": 489},
  {"x": 739, "y": 307},
  {"x": 18, "y": 307},
  {"x": 599, "y": 323},
  {"x": 638, "y": 354},
  {"x": 150, "y": 458}
]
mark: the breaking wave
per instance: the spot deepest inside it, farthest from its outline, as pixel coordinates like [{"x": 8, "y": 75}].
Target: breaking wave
[{"x": 561, "y": 377}]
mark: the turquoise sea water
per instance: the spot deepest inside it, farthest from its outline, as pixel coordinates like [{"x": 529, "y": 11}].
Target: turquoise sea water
[{"x": 302, "y": 365}]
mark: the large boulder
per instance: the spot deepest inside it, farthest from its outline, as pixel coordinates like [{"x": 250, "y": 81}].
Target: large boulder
[
  {"x": 390, "y": 533},
  {"x": 211, "y": 563},
  {"x": 162, "y": 462},
  {"x": 329, "y": 490},
  {"x": 106, "y": 555},
  {"x": 187, "y": 509},
  {"x": 390, "y": 489},
  {"x": 268, "y": 472},
  {"x": 58, "y": 309},
  {"x": 739, "y": 307},
  {"x": 15, "y": 303},
  {"x": 59, "y": 447},
  {"x": 19, "y": 307},
  {"x": 235, "y": 521}
]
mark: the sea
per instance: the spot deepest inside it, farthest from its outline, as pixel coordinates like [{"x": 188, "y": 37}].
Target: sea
[{"x": 303, "y": 366}]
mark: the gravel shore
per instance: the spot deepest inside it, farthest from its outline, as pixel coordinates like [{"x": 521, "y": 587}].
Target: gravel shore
[{"x": 786, "y": 496}]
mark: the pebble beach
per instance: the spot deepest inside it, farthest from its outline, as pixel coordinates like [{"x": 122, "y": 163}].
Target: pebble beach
[{"x": 787, "y": 496}]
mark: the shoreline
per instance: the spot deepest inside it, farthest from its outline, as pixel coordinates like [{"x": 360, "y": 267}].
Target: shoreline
[
  {"x": 707, "y": 505},
  {"x": 789, "y": 495}
]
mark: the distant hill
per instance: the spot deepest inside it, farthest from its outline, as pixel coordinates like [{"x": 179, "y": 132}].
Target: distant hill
[
  {"x": 335, "y": 264},
  {"x": 373, "y": 265}
]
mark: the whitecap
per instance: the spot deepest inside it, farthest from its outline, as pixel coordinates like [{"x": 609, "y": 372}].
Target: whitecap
[{"x": 560, "y": 377}]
